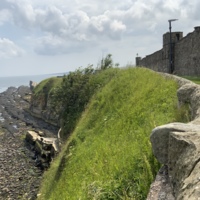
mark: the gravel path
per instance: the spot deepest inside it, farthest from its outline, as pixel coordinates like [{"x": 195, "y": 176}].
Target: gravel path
[{"x": 19, "y": 176}]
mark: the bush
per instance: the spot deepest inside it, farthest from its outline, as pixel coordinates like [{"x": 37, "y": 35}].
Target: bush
[{"x": 74, "y": 94}]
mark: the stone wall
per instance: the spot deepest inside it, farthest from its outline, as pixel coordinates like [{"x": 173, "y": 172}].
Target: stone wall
[
  {"x": 154, "y": 62},
  {"x": 185, "y": 55}
]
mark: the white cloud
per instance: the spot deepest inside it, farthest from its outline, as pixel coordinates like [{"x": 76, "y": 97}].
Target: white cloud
[
  {"x": 117, "y": 26},
  {"x": 56, "y": 27},
  {"x": 4, "y": 16},
  {"x": 53, "y": 45},
  {"x": 8, "y": 49}
]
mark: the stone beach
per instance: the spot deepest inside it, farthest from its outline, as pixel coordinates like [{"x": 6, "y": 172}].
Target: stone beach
[{"x": 20, "y": 174}]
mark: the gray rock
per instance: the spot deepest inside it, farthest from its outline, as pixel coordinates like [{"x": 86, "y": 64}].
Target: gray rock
[
  {"x": 160, "y": 188},
  {"x": 160, "y": 138},
  {"x": 32, "y": 85},
  {"x": 190, "y": 93},
  {"x": 184, "y": 149},
  {"x": 177, "y": 146}
]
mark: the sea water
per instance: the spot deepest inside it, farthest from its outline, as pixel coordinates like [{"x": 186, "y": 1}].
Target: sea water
[{"x": 16, "y": 81}]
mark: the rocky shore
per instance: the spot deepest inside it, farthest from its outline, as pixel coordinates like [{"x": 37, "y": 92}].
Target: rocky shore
[{"x": 20, "y": 174}]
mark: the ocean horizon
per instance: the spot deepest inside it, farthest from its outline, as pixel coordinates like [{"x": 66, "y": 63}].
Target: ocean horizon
[{"x": 16, "y": 81}]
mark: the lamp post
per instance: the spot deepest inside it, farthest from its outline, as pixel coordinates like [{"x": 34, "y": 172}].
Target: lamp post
[{"x": 171, "y": 68}]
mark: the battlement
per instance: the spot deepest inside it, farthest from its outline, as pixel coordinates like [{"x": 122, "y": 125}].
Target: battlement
[
  {"x": 175, "y": 37},
  {"x": 182, "y": 53},
  {"x": 197, "y": 28}
]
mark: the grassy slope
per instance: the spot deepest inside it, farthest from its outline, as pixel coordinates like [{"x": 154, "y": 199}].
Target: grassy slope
[
  {"x": 193, "y": 78},
  {"x": 109, "y": 156},
  {"x": 48, "y": 84}
]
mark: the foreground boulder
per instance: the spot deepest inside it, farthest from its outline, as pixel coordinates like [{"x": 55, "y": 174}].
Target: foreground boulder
[{"x": 177, "y": 147}]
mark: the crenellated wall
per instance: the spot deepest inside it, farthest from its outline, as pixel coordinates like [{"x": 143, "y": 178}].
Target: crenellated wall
[{"x": 185, "y": 54}]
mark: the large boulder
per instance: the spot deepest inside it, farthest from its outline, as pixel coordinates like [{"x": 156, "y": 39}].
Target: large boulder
[
  {"x": 177, "y": 146},
  {"x": 160, "y": 138}
]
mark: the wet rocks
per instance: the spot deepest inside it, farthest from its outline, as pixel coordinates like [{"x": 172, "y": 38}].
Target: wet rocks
[
  {"x": 19, "y": 177},
  {"x": 20, "y": 174}
]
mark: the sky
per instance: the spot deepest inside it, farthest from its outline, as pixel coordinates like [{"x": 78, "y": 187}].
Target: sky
[{"x": 57, "y": 36}]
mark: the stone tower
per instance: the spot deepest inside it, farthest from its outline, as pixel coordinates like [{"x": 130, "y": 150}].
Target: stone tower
[
  {"x": 137, "y": 60},
  {"x": 175, "y": 37}
]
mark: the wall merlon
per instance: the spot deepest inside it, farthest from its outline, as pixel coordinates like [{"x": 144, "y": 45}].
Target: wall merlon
[{"x": 197, "y": 28}]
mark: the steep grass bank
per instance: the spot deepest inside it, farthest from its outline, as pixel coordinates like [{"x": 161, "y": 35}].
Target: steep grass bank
[{"x": 108, "y": 156}]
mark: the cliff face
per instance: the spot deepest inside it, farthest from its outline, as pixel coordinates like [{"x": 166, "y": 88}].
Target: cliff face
[
  {"x": 177, "y": 147},
  {"x": 40, "y": 107},
  {"x": 41, "y": 101}
]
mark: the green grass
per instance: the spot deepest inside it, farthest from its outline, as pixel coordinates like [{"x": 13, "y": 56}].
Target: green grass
[
  {"x": 108, "y": 156},
  {"x": 47, "y": 85},
  {"x": 193, "y": 78},
  {"x": 75, "y": 92}
]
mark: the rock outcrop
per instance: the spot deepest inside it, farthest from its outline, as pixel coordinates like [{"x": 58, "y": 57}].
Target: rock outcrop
[
  {"x": 40, "y": 107},
  {"x": 32, "y": 85},
  {"x": 177, "y": 147},
  {"x": 45, "y": 148}
]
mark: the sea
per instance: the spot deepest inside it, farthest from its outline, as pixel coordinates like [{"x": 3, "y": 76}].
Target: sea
[{"x": 16, "y": 81}]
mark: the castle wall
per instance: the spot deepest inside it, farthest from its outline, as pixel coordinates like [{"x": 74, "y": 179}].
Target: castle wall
[
  {"x": 155, "y": 62},
  {"x": 186, "y": 54}
]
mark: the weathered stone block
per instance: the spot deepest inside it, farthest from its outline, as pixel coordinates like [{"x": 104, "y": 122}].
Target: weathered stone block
[{"x": 31, "y": 137}]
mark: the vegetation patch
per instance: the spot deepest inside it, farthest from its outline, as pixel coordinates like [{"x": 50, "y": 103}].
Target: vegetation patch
[
  {"x": 47, "y": 86},
  {"x": 108, "y": 155},
  {"x": 195, "y": 79},
  {"x": 74, "y": 93}
]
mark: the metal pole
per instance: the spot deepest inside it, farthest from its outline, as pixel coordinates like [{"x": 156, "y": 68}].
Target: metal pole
[
  {"x": 170, "y": 48},
  {"x": 171, "y": 68}
]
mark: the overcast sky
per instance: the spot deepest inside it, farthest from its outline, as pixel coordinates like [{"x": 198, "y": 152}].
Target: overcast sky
[{"x": 51, "y": 36}]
